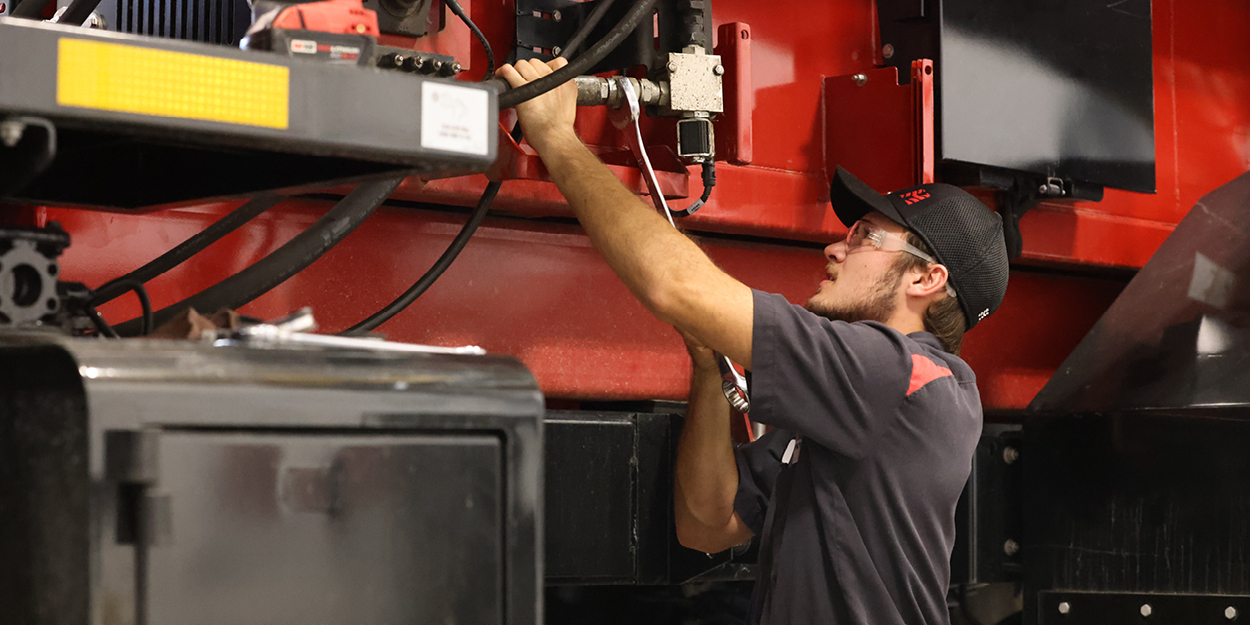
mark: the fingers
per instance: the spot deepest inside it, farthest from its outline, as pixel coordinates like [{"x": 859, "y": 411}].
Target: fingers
[
  {"x": 509, "y": 73},
  {"x": 557, "y": 63}
]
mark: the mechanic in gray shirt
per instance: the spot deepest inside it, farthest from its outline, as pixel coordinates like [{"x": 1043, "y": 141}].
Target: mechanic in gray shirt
[{"x": 875, "y": 417}]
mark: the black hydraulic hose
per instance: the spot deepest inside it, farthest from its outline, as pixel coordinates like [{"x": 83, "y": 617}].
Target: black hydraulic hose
[
  {"x": 592, "y": 20},
  {"x": 31, "y": 9},
  {"x": 192, "y": 246},
  {"x": 709, "y": 181},
  {"x": 285, "y": 261},
  {"x": 77, "y": 12},
  {"x": 477, "y": 32},
  {"x": 148, "y": 322},
  {"x": 640, "y": 11},
  {"x": 435, "y": 271}
]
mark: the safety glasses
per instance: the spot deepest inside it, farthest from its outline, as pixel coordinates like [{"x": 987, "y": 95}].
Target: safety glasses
[{"x": 863, "y": 234}]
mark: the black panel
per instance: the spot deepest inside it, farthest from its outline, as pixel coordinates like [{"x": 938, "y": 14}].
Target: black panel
[
  {"x": 989, "y": 518},
  {"x": 1054, "y": 87},
  {"x": 1137, "y": 502}
]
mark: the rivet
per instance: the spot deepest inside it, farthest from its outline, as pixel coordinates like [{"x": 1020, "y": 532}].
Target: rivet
[
  {"x": 1145, "y": 609},
  {"x": 860, "y": 79},
  {"x": 887, "y": 50},
  {"x": 1010, "y": 455},
  {"x": 1011, "y": 547},
  {"x": 1064, "y": 608}
]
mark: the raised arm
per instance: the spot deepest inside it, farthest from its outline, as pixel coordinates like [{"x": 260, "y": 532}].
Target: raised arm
[{"x": 663, "y": 268}]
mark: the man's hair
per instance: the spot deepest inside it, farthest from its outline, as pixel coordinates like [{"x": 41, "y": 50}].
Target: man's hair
[{"x": 944, "y": 318}]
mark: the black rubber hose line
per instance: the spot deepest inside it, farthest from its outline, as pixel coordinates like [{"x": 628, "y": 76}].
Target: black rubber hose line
[
  {"x": 477, "y": 32},
  {"x": 128, "y": 285},
  {"x": 435, "y": 271},
  {"x": 30, "y": 9},
  {"x": 284, "y": 262},
  {"x": 179, "y": 254},
  {"x": 640, "y": 11},
  {"x": 592, "y": 20}
]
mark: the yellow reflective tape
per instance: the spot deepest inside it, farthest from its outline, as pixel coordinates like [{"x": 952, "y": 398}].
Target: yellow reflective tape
[{"x": 130, "y": 79}]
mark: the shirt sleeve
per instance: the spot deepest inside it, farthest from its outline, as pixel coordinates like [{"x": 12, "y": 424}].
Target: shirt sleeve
[
  {"x": 759, "y": 463},
  {"x": 838, "y": 384}
]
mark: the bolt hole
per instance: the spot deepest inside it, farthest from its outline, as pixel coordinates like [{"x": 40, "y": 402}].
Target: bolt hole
[
  {"x": 51, "y": 304},
  {"x": 52, "y": 269},
  {"x": 928, "y": 69},
  {"x": 27, "y": 285},
  {"x": 746, "y": 35}
]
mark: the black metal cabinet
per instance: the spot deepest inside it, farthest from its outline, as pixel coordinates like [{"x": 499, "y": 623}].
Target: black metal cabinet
[{"x": 165, "y": 482}]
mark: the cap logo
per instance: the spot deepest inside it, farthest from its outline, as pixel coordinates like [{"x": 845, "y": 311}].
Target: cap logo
[
  {"x": 911, "y": 197},
  {"x": 984, "y": 313}
]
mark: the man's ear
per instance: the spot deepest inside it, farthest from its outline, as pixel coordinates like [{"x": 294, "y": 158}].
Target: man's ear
[{"x": 928, "y": 282}]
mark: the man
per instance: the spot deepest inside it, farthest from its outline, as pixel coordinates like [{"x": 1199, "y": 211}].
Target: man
[{"x": 875, "y": 417}]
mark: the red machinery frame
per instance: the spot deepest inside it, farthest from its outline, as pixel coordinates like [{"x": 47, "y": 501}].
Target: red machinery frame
[{"x": 536, "y": 290}]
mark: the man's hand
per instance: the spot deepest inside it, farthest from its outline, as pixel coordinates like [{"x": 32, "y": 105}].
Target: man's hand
[
  {"x": 701, "y": 355},
  {"x": 548, "y": 117}
]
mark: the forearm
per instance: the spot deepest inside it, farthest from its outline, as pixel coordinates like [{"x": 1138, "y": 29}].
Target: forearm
[
  {"x": 663, "y": 268},
  {"x": 706, "y": 475}
]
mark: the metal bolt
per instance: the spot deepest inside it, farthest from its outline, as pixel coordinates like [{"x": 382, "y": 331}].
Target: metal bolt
[
  {"x": 555, "y": 15},
  {"x": 1064, "y": 608},
  {"x": 887, "y": 50},
  {"x": 860, "y": 79},
  {"x": 1145, "y": 609},
  {"x": 1043, "y": 189},
  {"x": 557, "y": 50},
  {"x": 456, "y": 68},
  {"x": 11, "y": 132},
  {"x": 414, "y": 64},
  {"x": 1011, "y": 547},
  {"x": 1010, "y": 455},
  {"x": 672, "y": 66},
  {"x": 719, "y": 70},
  {"x": 1230, "y": 613}
]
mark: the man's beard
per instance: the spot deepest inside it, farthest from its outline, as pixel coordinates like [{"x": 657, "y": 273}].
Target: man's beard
[{"x": 879, "y": 305}]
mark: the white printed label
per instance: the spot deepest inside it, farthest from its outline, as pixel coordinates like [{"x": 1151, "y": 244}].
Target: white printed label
[
  {"x": 454, "y": 118},
  {"x": 303, "y": 46}
]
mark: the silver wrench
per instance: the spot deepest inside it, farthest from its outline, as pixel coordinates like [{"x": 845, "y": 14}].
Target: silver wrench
[{"x": 733, "y": 384}]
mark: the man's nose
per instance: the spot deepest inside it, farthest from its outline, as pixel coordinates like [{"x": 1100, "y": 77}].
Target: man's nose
[{"x": 836, "y": 251}]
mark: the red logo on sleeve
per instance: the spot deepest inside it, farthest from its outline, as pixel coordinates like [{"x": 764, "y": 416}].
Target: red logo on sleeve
[
  {"x": 911, "y": 197},
  {"x": 924, "y": 371}
]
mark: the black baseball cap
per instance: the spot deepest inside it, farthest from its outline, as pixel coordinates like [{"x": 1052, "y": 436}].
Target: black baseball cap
[{"x": 964, "y": 234}]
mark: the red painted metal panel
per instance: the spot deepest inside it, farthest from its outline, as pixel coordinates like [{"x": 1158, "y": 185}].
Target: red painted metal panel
[
  {"x": 734, "y": 132},
  {"x": 541, "y": 293},
  {"x": 879, "y": 130}
]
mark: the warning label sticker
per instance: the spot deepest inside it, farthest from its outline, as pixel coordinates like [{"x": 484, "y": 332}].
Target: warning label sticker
[
  {"x": 303, "y": 46},
  {"x": 454, "y": 119}
]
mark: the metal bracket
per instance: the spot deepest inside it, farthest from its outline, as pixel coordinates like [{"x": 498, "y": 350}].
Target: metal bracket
[
  {"x": 1018, "y": 194},
  {"x": 1065, "y": 607}
]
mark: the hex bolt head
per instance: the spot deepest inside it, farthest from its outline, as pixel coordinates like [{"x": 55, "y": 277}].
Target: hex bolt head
[
  {"x": 557, "y": 50},
  {"x": 887, "y": 51},
  {"x": 860, "y": 79},
  {"x": 557, "y": 16},
  {"x": 1010, "y": 455},
  {"x": 1011, "y": 547},
  {"x": 1145, "y": 609},
  {"x": 672, "y": 66},
  {"x": 1230, "y": 613},
  {"x": 719, "y": 70},
  {"x": 1064, "y": 608}
]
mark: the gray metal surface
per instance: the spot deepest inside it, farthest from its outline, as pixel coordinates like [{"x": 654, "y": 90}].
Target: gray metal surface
[
  {"x": 169, "y": 482},
  {"x": 1177, "y": 336}
]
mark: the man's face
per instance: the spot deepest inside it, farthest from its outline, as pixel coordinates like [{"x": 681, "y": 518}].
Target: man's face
[{"x": 861, "y": 284}]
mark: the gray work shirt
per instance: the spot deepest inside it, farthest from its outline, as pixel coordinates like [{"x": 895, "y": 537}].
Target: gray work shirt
[{"x": 858, "y": 525}]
